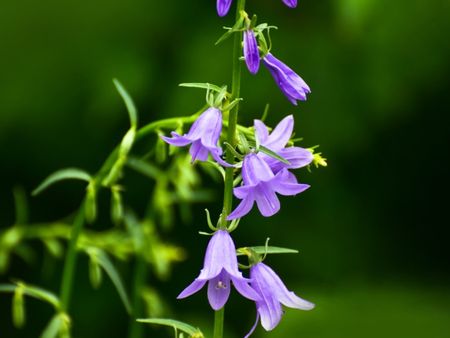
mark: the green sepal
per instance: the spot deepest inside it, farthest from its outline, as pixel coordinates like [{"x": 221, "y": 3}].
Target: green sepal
[
  {"x": 177, "y": 325},
  {"x": 60, "y": 175},
  {"x": 238, "y": 26},
  {"x": 207, "y": 86},
  {"x": 261, "y": 250},
  {"x": 132, "y": 111}
]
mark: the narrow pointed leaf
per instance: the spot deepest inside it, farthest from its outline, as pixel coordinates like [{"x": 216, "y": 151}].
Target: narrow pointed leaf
[
  {"x": 53, "y": 327},
  {"x": 60, "y": 175},
  {"x": 270, "y": 153},
  {"x": 111, "y": 271},
  {"x": 201, "y": 86},
  {"x": 128, "y": 103},
  {"x": 262, "y": 250},
  {"x": 190, "y": 330}
]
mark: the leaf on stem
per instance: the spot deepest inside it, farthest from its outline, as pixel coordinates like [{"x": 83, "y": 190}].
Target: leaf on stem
[
  {"x": 207, "y": 86},
  {"x": 263, "y": 250},
  {"x": 190, "y": 330},
  {"x": 132, "y": 111},
  {"x": 60, "y": 175}
]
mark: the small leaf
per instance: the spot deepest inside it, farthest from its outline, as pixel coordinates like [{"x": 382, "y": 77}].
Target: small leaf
[
  {"x": 95, "y": 273},
  {"x": 111, "y": 271},
  {"x": 90, "y": 210},
  {"x": 53, "y": 327},
  {"x": 144, "y": 168},
  {"x": 63, "y": 174},
  {"x": 190, "y": 330},
  {"x": 207, "y": 86},
  {"x": 116, "y": 206},
  {"x": 20, "y": 199},
  {"x": 128, "y": 103},
  {"x": 270, "y": 153},
  {"x": 18, "y": 306},
  {"x": 262, "y": 250}
]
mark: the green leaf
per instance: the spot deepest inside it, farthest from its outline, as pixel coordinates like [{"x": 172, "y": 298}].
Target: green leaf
[
  {"x": 32, "y": 291},
  {"x": 128, "y": 103},
  {"x": 192, "y": 331},
  {"x": 262, "y": 250},
  {"x": 18, "y": 307},
  {"x": 111, "y": 271},
  {"x": 144, "y": 168},
  {"x": 60, "y": 175},
  {"x": 53, "y": 327},
  {"x": 207, "y": 86},
  {"x": 21, "y": 205},
  {"x": 270, "y": 153}
]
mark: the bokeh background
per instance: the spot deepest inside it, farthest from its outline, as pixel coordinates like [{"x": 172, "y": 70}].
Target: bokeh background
[{"x": 373, "y": 229}]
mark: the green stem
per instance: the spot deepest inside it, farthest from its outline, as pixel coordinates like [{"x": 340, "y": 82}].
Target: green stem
[
  {"x": 233, "y": 116},
  {"x": 71, "y": 259},
  {"x": 218, "y": 323},
  {"x": 231, "y": 139},
  {"x": 140, "y": 274}
]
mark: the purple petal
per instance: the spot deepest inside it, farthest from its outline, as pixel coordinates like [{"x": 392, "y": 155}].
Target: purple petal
[
  {"x": 255, "y": 170},
  {"x": 198, "y": 151},
  {"x": 215, "y": 153},
  {"x": 267, "y": 201},
  {"x": 280, "y": 135},
  {"x": 206, "y": 126},
  {"x": 284, "y": 185},
  {"x": 286, "y": 297},
  {"x": 243, "y": 191},
  {"x": 223, "y": 6},
  {"x": 241, "y": 285},
  {"x": 220, "y": 254},
  {"x": 269, "y": 308},
  {"x": 219, "y": 290},
  {"x": 192, "y": 288},
  {"x": 290, "y": 3},
  {"x": 287, "y": 80},
  {"x": 254, "y": 326},
  {"x": 242, "y": 209},
  {"x": 261, "y": 131},
  {"x": 251, "y": 52},
  {"x": 177, "y": 140}
]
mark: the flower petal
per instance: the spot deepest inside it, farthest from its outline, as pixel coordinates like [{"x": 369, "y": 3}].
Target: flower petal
[
  {"x": 223, "y": 6},
  {"x": 255, "y": 170},
  {"x": 286, "y": 297},
  {"x": 243, "y": 208},
  {"x": 251, "y": 52},
  {"x": 219, "y": 290},
  {"x": 261, "y": 131},
  {"x": 266, "y": 199},
  {"x": 198, "y": 151},
  {"x": 290, "y": 3},
  {"x": 177, "y": 140},
  {"x": 286, "y": 184},
  {"x": 241, "y": 285},
  {"x": 281, "y": 134},
  {"x": 192, "y": 288}
]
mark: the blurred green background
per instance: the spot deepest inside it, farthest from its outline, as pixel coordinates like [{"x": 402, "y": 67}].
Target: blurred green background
[{"x": 372, "y": 235}]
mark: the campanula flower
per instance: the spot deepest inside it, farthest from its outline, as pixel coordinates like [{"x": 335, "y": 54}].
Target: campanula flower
[
  {"x": 220, "y": 268},
  {"x": 273, "y": 293},
  {"x": 290, "y": 3},
  {"x": 251, "y": 52},
  {"x": 277, "y": 140},
  {"x": 260, "y": 185},
  {"x": 203, "y": 137},
  {"x": 287, "y": 80},
  {"x": 223, "y": 6}
]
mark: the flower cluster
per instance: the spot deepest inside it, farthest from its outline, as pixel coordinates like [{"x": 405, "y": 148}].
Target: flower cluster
[
  {"x": 264, "y": 176},
  {"x": 289, "y": 82},
  {"x": 265, "y": 288}
]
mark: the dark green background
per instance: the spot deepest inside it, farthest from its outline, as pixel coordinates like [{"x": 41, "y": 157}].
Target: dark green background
[{"x": 372, "y": 229}]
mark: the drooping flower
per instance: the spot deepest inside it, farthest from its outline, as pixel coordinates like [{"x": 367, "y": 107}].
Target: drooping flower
[
  {"x": 260, "y": 185},
  {"x": 290, "y": 3},
  {"x": 223, "y": 6},
  {"x": 273, "y": 293},
  {"x": 220, "y": 268},
  {"x": 292, "y": 85},
  {"x": 251, "y": 52},
  {"x": 277, "y": 140},
  {"x": 203, "y": 135}
]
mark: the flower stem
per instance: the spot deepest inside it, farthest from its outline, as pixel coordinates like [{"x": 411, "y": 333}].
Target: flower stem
[
  {"x": 136, "y": 330},
  {"x": 71, "y": 259},
  {"x": 231, "y": 139},
  {"x": 218, "y": 323},
  {"x": 233, "y": 116}
]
